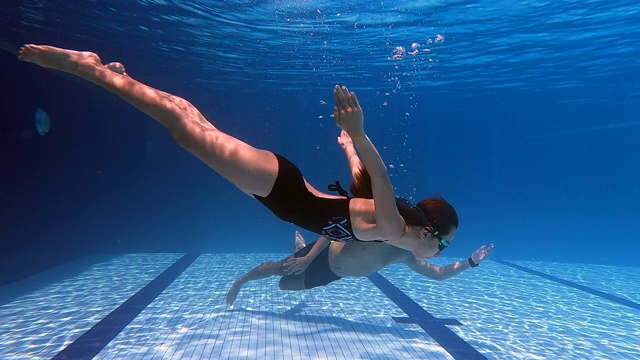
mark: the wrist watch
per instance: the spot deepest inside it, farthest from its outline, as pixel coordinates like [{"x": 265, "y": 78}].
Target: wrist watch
[{"x": 471, "y": 263}]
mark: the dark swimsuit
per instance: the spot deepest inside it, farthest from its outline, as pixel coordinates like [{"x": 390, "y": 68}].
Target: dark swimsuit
[
  {"x": 291, "y": 201},
  {"x": 318, "y": 273}
]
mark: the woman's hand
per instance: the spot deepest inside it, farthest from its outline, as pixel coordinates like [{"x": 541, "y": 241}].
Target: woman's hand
[
  {"x": 482, "y": 253},
  {"x": 345, "y": 140},
  {"x": 296, "y": 266},
  {"x": 347, "y": 112}
]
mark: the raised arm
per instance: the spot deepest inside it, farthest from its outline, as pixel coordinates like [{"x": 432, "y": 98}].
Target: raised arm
[
  {"x": 348, "y": 116},
  {"x": 444, "y": 272}
]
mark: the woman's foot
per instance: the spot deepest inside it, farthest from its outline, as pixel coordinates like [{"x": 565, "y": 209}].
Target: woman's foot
[
  {"x": 352, "y": 156},
  {"x": 59, "y": 59},
  {"x": 345, "y": 141},
  {"x": 300, "y": 244}
]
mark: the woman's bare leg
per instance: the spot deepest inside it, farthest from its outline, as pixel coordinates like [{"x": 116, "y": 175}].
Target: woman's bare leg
[{"x": 252, "y": 170}]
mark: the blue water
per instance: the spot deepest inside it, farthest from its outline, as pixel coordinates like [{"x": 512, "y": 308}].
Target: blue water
[{"x": 523, "y": 115}]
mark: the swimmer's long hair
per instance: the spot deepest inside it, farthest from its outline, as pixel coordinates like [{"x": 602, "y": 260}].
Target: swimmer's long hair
[{"x": 435, "y": 210}]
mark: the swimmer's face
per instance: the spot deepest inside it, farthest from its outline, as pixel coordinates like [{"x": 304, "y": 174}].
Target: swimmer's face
[{"x": 428, "y": 245}]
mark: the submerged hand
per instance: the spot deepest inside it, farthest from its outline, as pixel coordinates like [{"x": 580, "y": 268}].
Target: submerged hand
[
  {"x": 347, "y": 112},
  {"x": 296, "y": 266},
  {"x": 345, "y": 140},
  {"x": 482, "y": 253}
]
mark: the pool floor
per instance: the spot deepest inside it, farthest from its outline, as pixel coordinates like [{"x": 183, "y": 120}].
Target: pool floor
[{"x": 172, "y": 306}]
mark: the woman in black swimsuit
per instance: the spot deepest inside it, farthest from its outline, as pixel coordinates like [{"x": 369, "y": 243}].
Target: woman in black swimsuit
[{"x": 271, "y": 178}]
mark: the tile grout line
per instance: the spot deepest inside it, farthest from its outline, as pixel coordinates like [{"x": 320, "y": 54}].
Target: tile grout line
[
  {"x": 577, "y": 286},
  {"x": 95, "y": 339},
  {"x": 457, "y": 347}
]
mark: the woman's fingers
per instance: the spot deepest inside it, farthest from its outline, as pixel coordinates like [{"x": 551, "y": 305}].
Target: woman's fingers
[
  {"x": 343, "y": 98},
  {"x": 345, "y": 92},
  {"x": 292, "y": 267},
  {"x": 354, "y": 98},
  {"x": 348, "y": 98},
  {"x": 336, "y": 96}
]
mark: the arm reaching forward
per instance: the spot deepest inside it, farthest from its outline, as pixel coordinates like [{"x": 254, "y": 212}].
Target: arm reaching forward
[{"x": 444, "y": 272}]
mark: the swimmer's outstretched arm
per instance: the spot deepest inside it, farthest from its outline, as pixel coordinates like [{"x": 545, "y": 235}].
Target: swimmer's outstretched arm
[
  {"x": 444, "y": 272},
  {"x": 349, "y": 116}
]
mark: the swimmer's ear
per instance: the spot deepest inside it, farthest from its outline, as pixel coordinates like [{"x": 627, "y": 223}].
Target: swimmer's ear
[{"x": 424, "y": 232}]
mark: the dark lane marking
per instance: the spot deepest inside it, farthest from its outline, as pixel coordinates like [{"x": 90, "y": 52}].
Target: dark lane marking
[
  {"x": 586, "y": 289},
  {"x": 436, "y": 328},
  {"x": 95, "y": 339}
]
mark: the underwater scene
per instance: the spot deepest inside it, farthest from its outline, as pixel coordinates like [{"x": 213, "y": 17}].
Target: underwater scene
[{"x": 319, "y": 179}]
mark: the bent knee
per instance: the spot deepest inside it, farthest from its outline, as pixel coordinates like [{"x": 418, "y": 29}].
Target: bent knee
[
  {"x": 193, "y": 136},
  {"x": 182, "y": 136}
]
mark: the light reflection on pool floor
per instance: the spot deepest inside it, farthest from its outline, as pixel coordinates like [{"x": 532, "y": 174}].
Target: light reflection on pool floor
[{"x": 505, "y": 313}]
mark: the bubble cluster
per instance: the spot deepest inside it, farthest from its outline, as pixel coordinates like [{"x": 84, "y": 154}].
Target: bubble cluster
[
  {"x": 399, "y": 52},
  {"x": 411, "y": 63}
]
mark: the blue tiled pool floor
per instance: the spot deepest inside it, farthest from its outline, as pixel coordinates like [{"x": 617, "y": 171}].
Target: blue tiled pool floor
[{"x": 171, "y": 306}]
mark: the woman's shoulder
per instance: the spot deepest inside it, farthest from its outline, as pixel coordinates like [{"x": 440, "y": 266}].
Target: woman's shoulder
[{"x": 362, "y": 210}]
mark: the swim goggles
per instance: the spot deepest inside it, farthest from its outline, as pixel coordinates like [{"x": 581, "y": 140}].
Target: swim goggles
[{"x": 442, "y": 242}]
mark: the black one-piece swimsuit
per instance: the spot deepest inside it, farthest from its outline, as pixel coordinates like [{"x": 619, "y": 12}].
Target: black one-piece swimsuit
[{"x": 291, "y": 201}]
